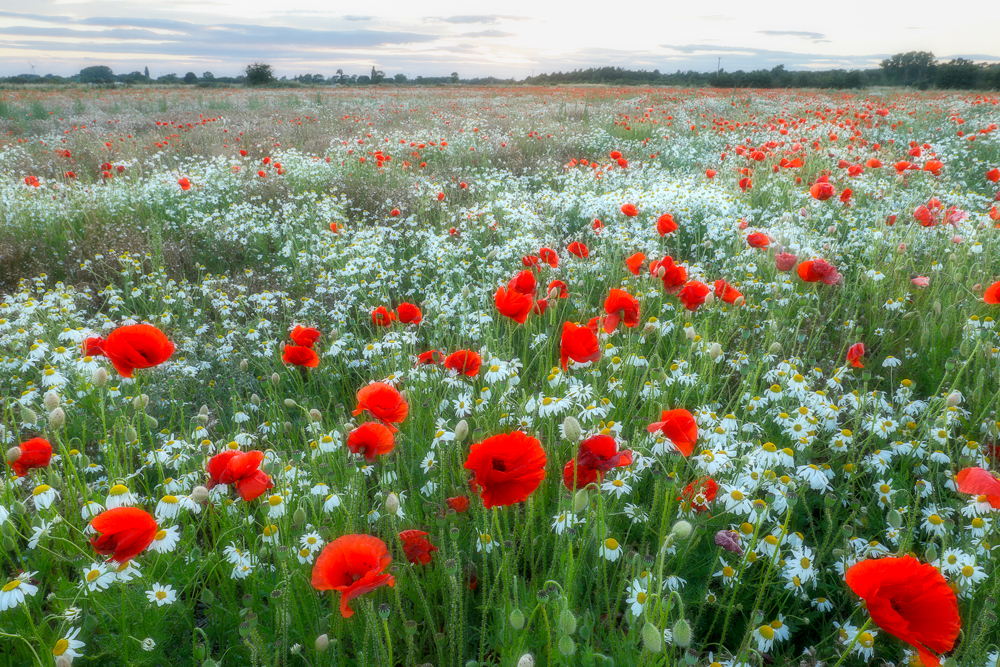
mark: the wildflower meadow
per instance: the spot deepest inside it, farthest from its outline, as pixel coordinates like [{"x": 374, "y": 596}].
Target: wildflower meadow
[{"x": 471, "y": 377}]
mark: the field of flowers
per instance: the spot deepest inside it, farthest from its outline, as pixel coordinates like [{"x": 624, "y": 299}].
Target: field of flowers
[{"x": 463, "y": 377}]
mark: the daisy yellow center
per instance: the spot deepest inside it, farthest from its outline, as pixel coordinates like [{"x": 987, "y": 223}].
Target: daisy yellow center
[
  {"x": 770, "y": 447},
  {"x": 746, "y": 528},
  {"x": 728, "y": 571},
  {"x": 935, "y": 520},
  {"x": 160, "y": 534},
  {"x": 771, "y": 539},
  {"x": 640, "y": 598},
  {"x": 274, "y": 500},
  {"x": 736, "y": 494},
  {"x": 161, "y": 595},
  {"x": 766, "y": 632},
  {"x": 866, "y": 640},
  {"x": 805, "y": 563},
  {"x": 304, "y": 552},
  {"x": 60, "y": 647},
  {"x": 884, "y": 488},
  {"x": 93, "y": 574},
  {"x": 967, "y": 571},
  {"x": 611, "y": 544},
  {"x": 40, "y": 489},
  {"x": 777, "y": 625},
  {"x": 978, "y": 522},
  {"x": 11, "y": 585},
  {"x": 270, "y": 530},
  {"x": 170, "y": 499},
  {"x": 618, "y": 483},
  {"x": 494, "y": 368},
  {"x": 119, "y": 489},
  {"x": 485, "y": 539}
]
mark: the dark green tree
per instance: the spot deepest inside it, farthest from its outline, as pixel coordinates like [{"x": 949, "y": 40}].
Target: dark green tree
[
  {"x": 190, "y": 77},
  {"x": 377, "y": 75},
  {"x": 146, "y": 72},
  {"x": 259, "y": 74},
  {"x": 96, "y": 74},
  {"x": 454, "y": 77},
  {"x": 959, "y": 74},
  {"x": 914, "y": 68}
]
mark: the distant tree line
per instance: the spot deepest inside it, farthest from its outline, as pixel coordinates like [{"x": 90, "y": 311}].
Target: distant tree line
[{"x": 918, "y": 69}]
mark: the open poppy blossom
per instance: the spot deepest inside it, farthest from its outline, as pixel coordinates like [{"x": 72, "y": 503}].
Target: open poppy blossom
[
  {"x": 934, "y": 166},
  {"x": 620, "y": 306},
  {"x": 184, "y": 183},
  {"x": 854, "y": 354},
  {"x": 123, "y": 533},
  {"x": 595, "y": 456},
  {"x": 785, "y": 261},
  {"x": 353, "y": 565},
  {"x": 679, "y": 427},
  {"x": 634, "y": 263},
  {"x": 513, "y": 304},
  {"x": 822, "y": 190},
  {"x": 758, "y": 240},
  {"x": 298, "y": 355},
  {"x": 557, "y": 290},
  {"x": 416, "y": 546},
  {"x": 710, "y": 173},
  {"x": 693, "y": 294},
  {"x": 981, "y": 483},
  {"x": 32, "y": 181},
  {"x": 579, "y": 344},
  {"x": 665, "y": 224},
  {"x": 429, "y": 358},
  {"x": 549, "y": 256},
  {"x": 911, "y": 601},
  {"x": 383, "y": 402},
  {"x": 818, "y": 270},
  {"x": 458, "y": 503},
  {"x": 371, "y": 439},
  {"x": 464, "y": 362},
  {"x": 507, "y": 467},
  {"x": 674, "y": 276},
  {"x": 578, "y": 249},
  {"x": 241, "y": 470},
  {"x": 136, "y": 346},
  {"x": 383, "y": 317},
  {"x": 409, "y": 313},
  {"x": 31, "y": 455},
  {"x": 726, "y": 292},
  {"x": 305, "y": 336},
  {"x": 524, "y": 282},
  {"x": 992, "y": 293},
  {"x": 699, "y": 493},
  {"x": 630, "y": 210}
]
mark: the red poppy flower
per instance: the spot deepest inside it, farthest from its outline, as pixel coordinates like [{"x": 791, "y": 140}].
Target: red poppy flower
[
  {"x": 262, "y": 173},
  {"x": 597, "y": 226},
  {"x": 240, "y": 469},
  {"x": 429, "y": 358},
  {"x": 297, "y": 355},
  {"x": 595, "y": 456},
  {"x": 620, "y": 306},
  {"x": 416, "y": 546},
  {"x": 513, "y": 304},
  {"x": 549, "y": 256},
  {"x": 910, "y": 600},
  {"x": 383, "y": 402},
  {"x": 822, "y": 190},
  {"x": 440, "y": 196},
  {"x": 665, "y": 224},
  {"x": 371, "y": 439},
  {"x": 934, "y": 166},
  {"x": 305, "y": 336},
  {"x": 993, "y": 175},
  {"x": 679, "y": 427},
  {"x": 458, "y": 503},
  {"x": 464, "y": 362},
  {"x": 634, "y": 263},
  {"x": 710, "y": 173},
  {"x": 579, "y": 344},
  {"x": 874, "y": 163},
  {"x": 992, "y": 293},
  {"x": 746, "y": 184},
  {"x": 693, "y": 294},
  {"x": 561, "y": 290},
  {"x": 726, "y": 292},
  {"x": 578, "y": 249},
  {"x": 816, "y": 270},
  {"x": 383, "y": 317},
  {"x": 980, "y": 482},
  {"x": 902, "y": 166},
  {"x": 699, "y": 493},
  {"x": 530, "y": 261},
  {"x": 353, "y": 565},
  {"x": 854, "y": 354},
  {"x": 923, "y": 215},
  {"x": 758, "y": 240},
  {"x": 507, "y": 467},
  {"x": 785, "y": 261},
  {"x": 394, "y": 212},
  {"x": 540, "y": 307},
  {"x": 409, "y": 313},
  {"x": 122, "y": 533},
  {"x": 31, "y": 180},
  {"x": 524, "y": 282},
  {"x": 35, "y": 453},
  {"x": 136, "y": 346},
  {"x": 184, "y": 183},
  {"x": 630, "y": 210}
]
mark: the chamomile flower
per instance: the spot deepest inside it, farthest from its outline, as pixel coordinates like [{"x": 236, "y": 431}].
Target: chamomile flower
[
  {"x": 43, "y": 496},
  {"x": 637, "y": 598},
  {"x": 610, "y": 549},
  {"x": 97, "y": 577},
  {"x": 484, "y": 542},
  {"x": 161, "y": 595},
  {"x": 165, "y": 540},
  {"x": 17, "y": 590},
  {"x": 68, "y": 645}
]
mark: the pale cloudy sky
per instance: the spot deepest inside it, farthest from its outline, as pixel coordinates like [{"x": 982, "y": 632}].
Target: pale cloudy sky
[{"x": 509, "y": 39}]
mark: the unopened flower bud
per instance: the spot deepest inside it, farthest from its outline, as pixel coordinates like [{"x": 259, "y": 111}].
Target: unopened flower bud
[
  {"x": 567, "y": 621},
  {"x": 392, "y": 503},
  {"x": 739, "y": 301},
  {"x": 715, "y": 351},
  {"x": 526, "y": 660},
  {"x": 64, "y": 661},
  {"x": 661, "y": 271},
  {"x": 571, "y": 428},
  {"x": 151, "y": 422},
  {"x": 140, "y": 402},
  {"x": 775, "y": 348},
  {"x": 199, "y": 494},
  {"x": 322, "y": 643},
  {"x": 954, "y": 399},
  {"x": 13, "y": 454},
  {"x": 275, "y": 378},
  {"x": 710, "y": 298},
  {"x": 130, "y": 434},
  {"x": 581, "y": 501},
  {"x": 689, "y": 332},
  {"x": 930, "y": 553},
  {"x": 461, "y": 431},
  {"x": 682, "y": 529},
  {"x": 299, "y": 516},
  {"x": 202, "y": 419},
  {"x": 51, "y": 400},
  {"x": 290, "y": 403},
  {"x": 682, "y": 633},
  {"x": 244, "y": 365},
  {"x": 28, "y": 416},
  {"x": 99, "y": 377},
  {"x": 648, "y": 328},
  {"x": 566, "y": 645},
  {"x": 315, "y": 415},
  {"x": 57, "y": 419},
  {"x": 465, "y": 292},
  {"x": 894, "y": 519},
  {"x": 516, "y": 619},
  {"x": 652, "y": 639}
]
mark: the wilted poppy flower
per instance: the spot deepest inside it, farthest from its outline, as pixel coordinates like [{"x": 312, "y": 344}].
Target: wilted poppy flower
[
  {"x": 620, "y": 306},
  {"x": 693, "y": 294},
  {"x": 240, "y": 469},
  {"x": 549, "y": 256},
  {"x": 699, "y": 493},
  {"x": 416, "y": 546},
  {"x": 665, "y": 224},
  {"x": 464, "y": 362},
  {"x": 758, "y": 240},
  {"x": 595, "y": 456},
  {"x": 630, "y": 210},
  {"x": 729, "y": 540},
  {"x": 122, "y": 533},
  {"x": 854, "y": 354},
  {"x": 383, "y": 317},
  {"x": 297, "y": 355},
  {"x": 458, "y": 503},
  {"x": 634, "y": 263},
  {"x": 409, "y": 313},
  {"x": 579, "y": 344},
  {"x": 726, "y": 292},
  {"x": 992, "y": 293},
  {"x": 785, "y": 261},
  {"x": 507, "y": 467},
  {"x": 910, "y": 600},
  {"x": 822, "y": 190},
  {"x": 578, "y": 249},
  {"x": 513, "y": 304},
  {"x": 353, "y": 565},
  {"x": 816, "y": 270},
  {"x": 679, "y": 427},
  {"x": 979, "y": 482},
  {"x": 305, "y": 336},
  {"x": 31, "y": 454},
  {"x": 136, "y": 346},
  {"x": 383, "y": 402},
  {"x": 371, "y": 439}
]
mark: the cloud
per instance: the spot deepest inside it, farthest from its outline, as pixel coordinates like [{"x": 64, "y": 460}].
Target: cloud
[
  {"x": 814, "y": 36},
  {"x": 488, "y": 33},
  {"x": 487, "y": 19},
  {"x": 351, "y": 17}
]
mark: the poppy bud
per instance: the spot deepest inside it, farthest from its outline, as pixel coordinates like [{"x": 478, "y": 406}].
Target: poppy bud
[
  {"x": 648, "y": 328},
  {"x": 652, "y": 639},
  {"x": 682, "y": 633},
  {"x": 199, "y": 494},
  {"x": 140, "y": 402},
  {"x": 322, "y": 643},
  {"x": 682, "y": 529},
  {"x": 567, "y": 646},
  {"x": 581, "y": 500},
  {"x": 8, "y": 544},
  {"x": 244, "y": 365},
  {"x": 465, "y": 292},
  {"x": 894, "y": 519},
  {"x": 710, "y": 298},
  {"x": 151, "y": 422},
  {"x": 130, "y": 434},
  {"x": 516, "y": 619},
  {"x": 57, "y": 419},
  {"x": 392, "y": 503},
  {"x": 660, "y": 272},
  {"x": 931, "y": 553},
  {"x": 13, "y": 454},
  {"x": 567, "y": 621},
  {"x": 315, "y": 415},
  {"x": 571, "y": 428},
  {"x": 290, "y": 403},
  {"x": 54, "y": 480},
  {"x": 64, "y": 661},
  {"x": 255, "y": 399},
  {"x": 202, "y": 419},
  {"x": 954, "y": 399},
  {"x": 28, "y": 416},
  {"x": 299, "y": 516},
  {"x": 715, "y": 351},
  {"x": 51, "y": 400},
  {"x": 689, "y": 332},
  {"x": 774, "y": 349},
  {"x": 99, "y": 378},
  {"x": 526, "y": 660},
  {"x": 275, "y": 378}
]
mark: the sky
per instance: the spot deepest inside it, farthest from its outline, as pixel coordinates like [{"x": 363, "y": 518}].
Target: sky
[{"x": 516, "y": 38}]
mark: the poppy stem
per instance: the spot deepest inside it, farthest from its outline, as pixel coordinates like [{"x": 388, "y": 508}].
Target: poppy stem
[{"x": 854, "y": 641}]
